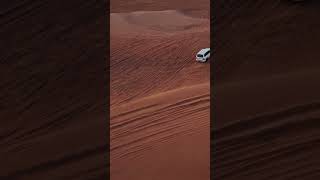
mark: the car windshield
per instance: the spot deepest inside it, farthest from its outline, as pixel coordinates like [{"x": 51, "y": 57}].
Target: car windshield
[{"x": 199, "y": 55}]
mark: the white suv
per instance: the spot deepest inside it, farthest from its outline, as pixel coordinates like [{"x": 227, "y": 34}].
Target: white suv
[{"x": 203, "y": 55}]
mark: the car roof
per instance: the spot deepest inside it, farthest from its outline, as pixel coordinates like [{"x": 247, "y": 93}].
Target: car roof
[{"x": 202, "y": 51}]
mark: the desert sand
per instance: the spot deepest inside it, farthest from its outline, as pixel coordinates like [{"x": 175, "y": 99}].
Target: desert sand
[
  {"x": 53, "y": 90},
  {"x": 160, "y": 97},
  {"x": 265, "y": 121}
]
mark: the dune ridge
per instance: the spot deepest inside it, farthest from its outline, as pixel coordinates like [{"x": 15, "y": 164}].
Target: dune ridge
[{"x": 160, "y": 96}]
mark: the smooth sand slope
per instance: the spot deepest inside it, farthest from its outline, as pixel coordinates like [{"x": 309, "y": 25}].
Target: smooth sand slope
[
  {"x": 160, "y": 97},
  {"x": 266, "y": 106}
]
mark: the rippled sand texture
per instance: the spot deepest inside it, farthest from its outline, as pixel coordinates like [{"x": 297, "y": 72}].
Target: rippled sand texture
[
  {"x": 266, "y": 106},
  {"x": 53, "y": 90},
  {"x": 160, "y": 97}
]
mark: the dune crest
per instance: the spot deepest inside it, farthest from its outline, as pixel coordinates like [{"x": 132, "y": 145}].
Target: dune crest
[{"x": 164, "y": 22}]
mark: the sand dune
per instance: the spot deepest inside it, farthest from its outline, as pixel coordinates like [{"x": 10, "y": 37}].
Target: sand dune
[
  {"x": 157, "y": 59},
  {"x": 266, "y": 102},
  {"x": 155, "y": 23},
  {"x": 53, "y": 88},
  {"x": 198, "y": 8},
  {"x": 275, "y": 130},
  {"x": 159, "y": 131},
  {"x": 159, "y": 95}
]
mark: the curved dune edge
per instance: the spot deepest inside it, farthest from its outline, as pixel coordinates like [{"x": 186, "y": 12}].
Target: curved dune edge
[
  {"x": 155, "y": 23},
  {"x": 164, "y": 98},
  {"x": 124, "y": 6},
  {"x": 153, "y": 136},
  {"x": 151, "y": 53}
]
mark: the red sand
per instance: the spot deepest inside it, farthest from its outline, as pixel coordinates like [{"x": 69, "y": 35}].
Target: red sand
[{"x": 159, "y": 95}]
